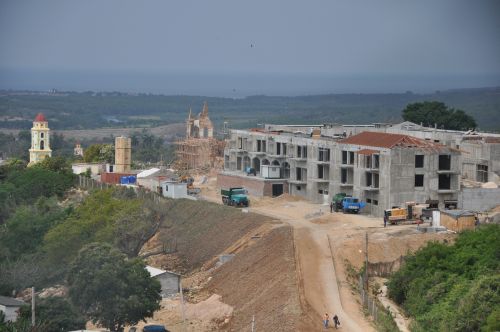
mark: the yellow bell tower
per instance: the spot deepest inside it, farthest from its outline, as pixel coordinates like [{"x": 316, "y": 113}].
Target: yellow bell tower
[{"x": 40, "y": 140}]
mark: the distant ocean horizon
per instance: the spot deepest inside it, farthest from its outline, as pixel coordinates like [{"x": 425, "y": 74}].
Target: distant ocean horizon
[{"x": 236, "y": 85}]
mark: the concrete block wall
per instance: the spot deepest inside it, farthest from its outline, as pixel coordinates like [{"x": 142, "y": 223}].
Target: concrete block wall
[
  {"x": 255, "y": 187},
  {"x": 478, "y": 199}
]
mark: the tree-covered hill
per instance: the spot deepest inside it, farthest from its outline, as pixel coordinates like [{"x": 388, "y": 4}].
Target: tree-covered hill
[{"x": 95, "y": 110}]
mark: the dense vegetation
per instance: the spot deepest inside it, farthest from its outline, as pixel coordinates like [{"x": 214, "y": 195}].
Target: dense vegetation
[
  {"x": 434, "y": 113},
  {"x": 96, "y": 110},
  {"x": 453, "y": 287},
  {"x": 45, "y": 227}
]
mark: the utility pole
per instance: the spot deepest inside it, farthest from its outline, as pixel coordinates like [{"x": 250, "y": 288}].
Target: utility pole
[
  {"x": 182, "y": 307},
  {"x": 253, "y": 323},
  {"x": 366, "y": 260},
  {"x": 33, "y": 306}
]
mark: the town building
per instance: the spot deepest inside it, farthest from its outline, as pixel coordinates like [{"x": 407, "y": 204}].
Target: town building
[
  {"x": 382, "y": 169},
  {"x": 10, "y": 306},
  {"x": 93, "y": 168},
  {"x": 170, "y": 281},
  {"x": 200, "y": 149},
  {"x": 78, "y": 150},
  {"x": 40, "y": 140}
]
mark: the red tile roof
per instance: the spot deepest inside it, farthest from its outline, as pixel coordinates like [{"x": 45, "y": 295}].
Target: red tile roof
[
  {"x": 384, "y": 140},
  {"x": 40, "y": 118}
]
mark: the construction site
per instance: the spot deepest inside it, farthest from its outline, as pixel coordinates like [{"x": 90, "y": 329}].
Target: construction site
[{"x": 296, "y": 247}]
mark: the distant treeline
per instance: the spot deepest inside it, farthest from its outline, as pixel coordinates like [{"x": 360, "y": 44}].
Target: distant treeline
[{"x": 71, "y": 110}]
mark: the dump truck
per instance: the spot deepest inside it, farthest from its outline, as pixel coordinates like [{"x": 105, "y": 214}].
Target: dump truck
[
  {"x": 352, "y": 205},
  {"x": 235, "y": 197},
  {"x": 337, "y": 201}
]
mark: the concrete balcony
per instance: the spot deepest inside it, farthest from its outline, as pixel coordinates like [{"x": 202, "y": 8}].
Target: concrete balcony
[
  {"x": 297, "y": 181},
  {"x": 346, "y": 184},
  {"x": 447, "y": 171},
  {"x": 371, "y": 188},
  {"x": 447, "y": 191},
  {"x": 346, "y": 165},
  {"x": 319, "y": 180}
]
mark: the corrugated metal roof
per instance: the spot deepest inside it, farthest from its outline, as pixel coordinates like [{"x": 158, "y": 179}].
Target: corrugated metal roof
[
  {"x": 389, "y": 141},
  {"x": 10, "y": 301},
  {"x": 147, "y": 172},
  {"x": 153, "y": 271},
  {"x": 458, "y": 213}
]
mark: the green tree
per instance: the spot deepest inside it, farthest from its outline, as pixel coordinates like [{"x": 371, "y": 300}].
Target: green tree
[
  {"x": 452, "y": 287},
  {"x": 56, "y": 314},
  {"x": 99, "y": 153},
  {"x": 431, "y": 113},
  {"x": 110, "y": 289},
  {"x": 56, "y": 164}
]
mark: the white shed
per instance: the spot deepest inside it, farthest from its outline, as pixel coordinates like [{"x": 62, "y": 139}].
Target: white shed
[
  {"x": 174, "y": 189},
  {"x": 10, "y": 306},
  {"x": 270, "y": 171},
  {"x": 170, "y": 281}
]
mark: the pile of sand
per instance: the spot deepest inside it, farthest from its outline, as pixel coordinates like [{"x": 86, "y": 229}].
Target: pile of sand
[
  {"x": 210, "y": 309},
  {"x": 489, "y": 185}
]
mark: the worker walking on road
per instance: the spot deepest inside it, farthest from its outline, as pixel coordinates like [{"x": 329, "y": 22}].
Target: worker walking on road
[
  {"x": 325, "y": 320},
  {"x": 331, "y": 207},
  {"x": 336, "y": 321}
]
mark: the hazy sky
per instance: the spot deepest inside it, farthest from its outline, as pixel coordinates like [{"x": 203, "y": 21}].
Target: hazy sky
[{"x": 384, "y": 39}]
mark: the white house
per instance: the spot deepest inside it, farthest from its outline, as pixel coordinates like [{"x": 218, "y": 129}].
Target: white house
[
  {"x": 10, "y": 306},
  {"x": 170, "y": 281}
]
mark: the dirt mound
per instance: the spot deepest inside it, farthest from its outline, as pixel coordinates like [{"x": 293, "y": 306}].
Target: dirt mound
[
  {"x": 210, "y": 309},
  {"x": 383, "y": 247},
  {"x": 261, "y": 281}
]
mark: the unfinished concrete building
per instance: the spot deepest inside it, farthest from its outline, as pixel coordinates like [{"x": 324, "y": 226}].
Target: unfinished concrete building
[
  {"x": 200, "y": 149},
  {"x": 382, "y": 169},
  {"x": 480, "y": 151}
]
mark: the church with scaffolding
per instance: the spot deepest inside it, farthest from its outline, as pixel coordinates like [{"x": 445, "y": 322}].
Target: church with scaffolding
[{"x": 200, "y": 150}]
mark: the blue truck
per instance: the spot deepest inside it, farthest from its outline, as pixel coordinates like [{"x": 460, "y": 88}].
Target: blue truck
[{"x": 352, "y": 205}]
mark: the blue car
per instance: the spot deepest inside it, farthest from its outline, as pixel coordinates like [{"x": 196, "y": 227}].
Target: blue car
[{"x": 154, "y": 328}]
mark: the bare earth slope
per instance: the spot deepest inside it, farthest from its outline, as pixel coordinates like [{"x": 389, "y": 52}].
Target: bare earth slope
[{"x": 262, "y": 281}]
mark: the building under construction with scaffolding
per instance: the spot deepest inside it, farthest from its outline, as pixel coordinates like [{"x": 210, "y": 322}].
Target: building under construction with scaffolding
[{"x": 200, "y": 149}]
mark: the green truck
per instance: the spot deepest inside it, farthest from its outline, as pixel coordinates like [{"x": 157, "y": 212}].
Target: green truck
[
  {"x": 235, "y": 197},
  {"x": 337, "y": 201}
]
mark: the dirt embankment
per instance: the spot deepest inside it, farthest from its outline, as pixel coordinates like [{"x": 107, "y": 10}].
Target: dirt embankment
[
  {"x": 199, "y": 232},
  {"x": 262, "y": 281}
]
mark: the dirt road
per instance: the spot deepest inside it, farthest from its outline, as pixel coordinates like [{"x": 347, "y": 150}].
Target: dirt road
[{"x": 322, "y": 287}]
